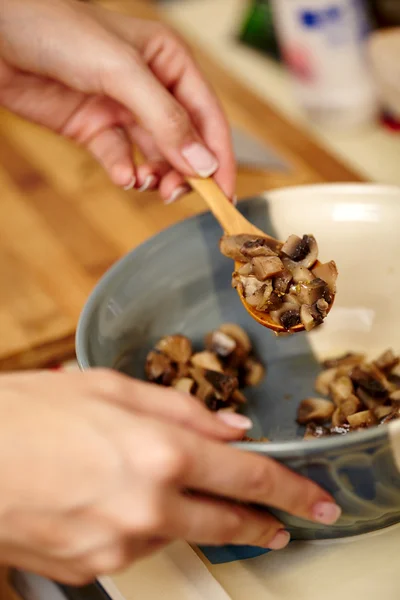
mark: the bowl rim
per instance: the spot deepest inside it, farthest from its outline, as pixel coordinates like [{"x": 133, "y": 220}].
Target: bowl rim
[{"x": 278, "y": 448}]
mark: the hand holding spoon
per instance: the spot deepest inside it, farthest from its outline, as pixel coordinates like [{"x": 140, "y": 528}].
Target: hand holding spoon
[{"x": 309, "y": 295}]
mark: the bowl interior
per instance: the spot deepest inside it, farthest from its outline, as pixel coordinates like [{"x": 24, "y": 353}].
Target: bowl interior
[{"x": 178, "y": 282}]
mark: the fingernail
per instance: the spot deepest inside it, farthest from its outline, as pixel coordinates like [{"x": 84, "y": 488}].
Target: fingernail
[
  {"x": 235, "y": 420},
  {"x": 200, "y": 159},
  {"x": 326, "y": 513},
  {"x": 131, "y": 184},
  {"x": 148, "y": 182},
  {"x": 234, "y": 200},
  {"x": 177, "y": 193},
  {"x": 280, "y": 541}
]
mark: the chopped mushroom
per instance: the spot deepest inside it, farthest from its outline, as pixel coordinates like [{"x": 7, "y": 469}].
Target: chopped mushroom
[
  {"x": 315, "y": 431},
  {"x": 254, "y": 372},
  {"x": 362, "y": 419},
  {"x": 371, "y": 380},
  {"x": 238, "y": 334},
  {"x": 268, "y": 276},
  {"x": 185, "y": 385},
  {"x": 219, "y": 342},
  {"x": 349, "y": 359},
  {"x": 265, "y": 267},
  {"x": 206, "y": 360},
  {"x": 387, "y": 360},
  {"x": 308, "y": 318},
  {"x": 286, "y": 315},
  {"x": 301, "y": 250},
  {"x": 159, "y": 368},
  {"x": 317, "y": 410},
  {"x": 340, "y": 389},
  {"x": 327, "y": 272},
  {"x": 243, "y": 247},
  {"x": 177, "y": 347}
]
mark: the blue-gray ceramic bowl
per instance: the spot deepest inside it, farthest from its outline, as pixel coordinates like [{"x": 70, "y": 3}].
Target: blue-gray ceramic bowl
[{"x": 179, "y": 282}]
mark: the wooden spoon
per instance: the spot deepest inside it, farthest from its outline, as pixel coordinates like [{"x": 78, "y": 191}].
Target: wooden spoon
[{"x": 234, "y": 223}]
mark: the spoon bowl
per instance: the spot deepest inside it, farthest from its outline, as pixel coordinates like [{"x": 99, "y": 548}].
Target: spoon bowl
[{"x": 234, "y": 223}]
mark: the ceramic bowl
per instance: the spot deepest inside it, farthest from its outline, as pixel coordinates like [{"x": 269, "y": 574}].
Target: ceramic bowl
[{"x": 178, "y": 282}]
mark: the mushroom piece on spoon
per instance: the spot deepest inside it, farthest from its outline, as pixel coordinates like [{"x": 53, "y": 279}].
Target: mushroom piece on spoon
[{"x": 261, "y": 259}]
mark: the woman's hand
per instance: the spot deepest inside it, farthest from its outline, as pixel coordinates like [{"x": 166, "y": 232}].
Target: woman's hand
[
  {"x": 97, "y": 469},
  {"x": 108, "y": 81}
]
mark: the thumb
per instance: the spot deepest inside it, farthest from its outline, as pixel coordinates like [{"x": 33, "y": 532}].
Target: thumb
[{"x": 160, "y": 114}]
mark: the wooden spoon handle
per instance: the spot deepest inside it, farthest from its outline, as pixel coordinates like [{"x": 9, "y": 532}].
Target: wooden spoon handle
[{"x": 230, "y": 219}]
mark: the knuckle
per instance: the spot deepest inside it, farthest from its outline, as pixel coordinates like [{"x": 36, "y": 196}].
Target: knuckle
[
  {"x": 170, "y": 463},
  {"x": 262, "y": 480},
  {"x": 147, "y": 520},
  {"x": 110, "y": 383},
  {"x": 233, "y": 525},
  {"x": 108, "y": 561}
]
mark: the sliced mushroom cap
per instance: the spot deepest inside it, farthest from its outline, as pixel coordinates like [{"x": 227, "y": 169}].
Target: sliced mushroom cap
[
  {"x": 245, "y": 270},
  {"x": 394, "y": 414},
  {"x": 362, "y": 419},
  {"x": 260, "y": 299},
  {"x": 282, "y": 281},
  {"x": 387, "y": 360},
  {"x": 315, "y": 431},
  {"x": 307, "y": 317},
  {"x": 244, "y": 246},
  {"x": 347, "y": 408},
  {"x": 301, "y": 274},
  {"x": 237, "y": 397},
  {"x": 301, "y": 250},
  {"x": 395, "y": 396},
  {"x": 220, "y": 343},
  {"x": 287, "y": 315},
  {"x": 206, "y": 360},
  {"x": 238, "y": 334},
  {"x": 185, "y": 385},
  {"x": 327, "y": 272},
  {"x": 318, "y": 410},
  {"x": 310, "y": 292},
  {"x": 213, "y": 383},
  {"x": 381, "y": 412},
  {"x": 321, "y": 307},
  {"x": 254, "y": 372},
  {"x": 371, "y": 380},
  {"x": 265, "y": 267},
  {"x": 340, "y": 389},
  {"x": 177, "y": 347},
  {"x": 324, "y": 380},
  {"x": 370, "y": 402},
  {"x": 349, "y": 359},
  {"x": 159, "y": 368}
]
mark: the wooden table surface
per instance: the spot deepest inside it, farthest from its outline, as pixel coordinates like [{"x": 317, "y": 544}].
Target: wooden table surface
[{"x": 62, "y": 223}]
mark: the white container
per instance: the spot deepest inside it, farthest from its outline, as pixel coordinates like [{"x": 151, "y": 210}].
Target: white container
[{"x": 324, "y": 43}]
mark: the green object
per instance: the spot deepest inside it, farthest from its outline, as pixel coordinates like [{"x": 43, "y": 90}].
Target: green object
[{"x": 258, "y": 28}]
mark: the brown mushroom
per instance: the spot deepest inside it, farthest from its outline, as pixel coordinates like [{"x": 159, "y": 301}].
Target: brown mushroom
[
  {"x": 318, "y": 410},
  {"x": 222, "y": 385},
  {"x": 371, "y": 380},
  {"x": 340, "y": 389},
  {"x": 369, "y": 401},
  {"x": 347, "y": 408},
  {"x": 301, "y": 250},
  {"x": 327, "y": 272},
  {"x": 220, "y": 343},
  {"x": 159, "y": 368},
  {"x": 324, "y": 380},
  {"x": 381, "y": 412},
  {"x": 237, "y": 397},
  {"x": 387, "y": 361},
  {"x": 310, "y": 317},
  {"x": 238, "y": 334},
  {"x": 253, "y": 372},
  {"x": 395, "y": 396},
  {"x": 301, "y": 274},
  {"x": 286, "y": 315},
  {"x": 394, "y": 414},
  {"x": 177, "y": 347},
  {"x": 349, "y": 359},
  {"x": 206, "y": 360},
  {"x": 261, "y": 298},
  {"x": 312, "y": 291},
  {"x": 282, "y": 281},
  {"x": 361, "y": 420},
  {"x": 265, "y": 267},
  {"x": 185, "y": 385},
  {"x": 243, "y": 247}
]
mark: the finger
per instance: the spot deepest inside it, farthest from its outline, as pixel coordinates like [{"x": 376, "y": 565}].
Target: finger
[
  {"x": 195, "y": 95},
  {"x": 257, "y": 479},
  {"x": 202, "y": 520},
  {"x": 113, "y": 150},
  {"x": 164, "y": 116},
  {"x": 167, "y": 404},
  {"x": 171, "y": 184}
]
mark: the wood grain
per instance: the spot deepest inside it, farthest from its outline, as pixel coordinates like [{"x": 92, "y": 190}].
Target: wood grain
[{"x": 62, "y": 223}]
